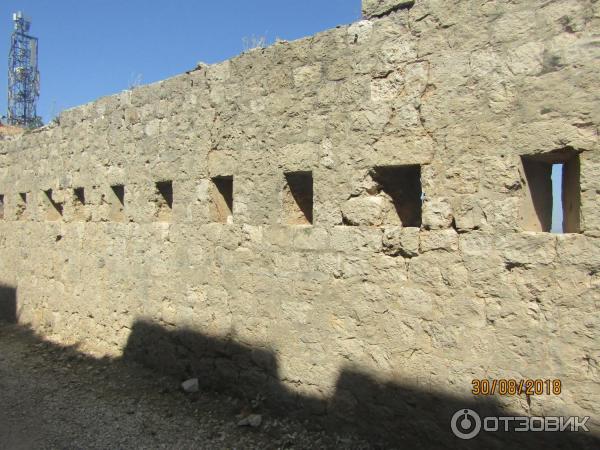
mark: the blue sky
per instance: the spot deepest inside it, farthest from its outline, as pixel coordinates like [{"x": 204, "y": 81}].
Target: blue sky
[
  {"x": 92, "y": 48},
  {"x": 557, "y": 211}
]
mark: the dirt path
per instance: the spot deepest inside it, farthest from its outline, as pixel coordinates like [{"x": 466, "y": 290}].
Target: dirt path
[{"x": 55, "y": 397}]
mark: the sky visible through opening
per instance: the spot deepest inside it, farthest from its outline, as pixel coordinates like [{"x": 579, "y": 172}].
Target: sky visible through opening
[
  {"x": 557, "y": 209},
  {"x": 92, "y": 48}
]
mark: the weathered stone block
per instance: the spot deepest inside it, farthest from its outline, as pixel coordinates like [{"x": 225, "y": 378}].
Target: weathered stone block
[
  {"x": 376, "y": 8},
  {"x": 437, "y": 213},
  {"x": 527, "y": 248},
  {"x": 438, "y": 240},
  {"x": 468, "y": 214},
  {"x": 367, "y": 210},
  {"x": 360, "y": 32},
  {"x": 350, "y": 239},
  {"x": 401, "y": 241},
  {"x": 311, "y": 238},
  {"x": 578, "y": 250},
  {"x": 307, "y": 75}
]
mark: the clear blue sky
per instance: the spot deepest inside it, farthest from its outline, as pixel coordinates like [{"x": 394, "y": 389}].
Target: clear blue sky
[
  {"x": 557, "y": 210},
  {"x": 92, "y": 48}
]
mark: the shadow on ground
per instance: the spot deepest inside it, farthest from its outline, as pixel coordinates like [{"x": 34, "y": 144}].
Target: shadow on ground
[
  {"x": 398, "y": 415},
  {"x": 387, "y": 413}
]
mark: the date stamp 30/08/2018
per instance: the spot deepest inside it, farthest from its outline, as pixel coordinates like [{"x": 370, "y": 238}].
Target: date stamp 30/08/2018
[{"x": 512, "y": 386}]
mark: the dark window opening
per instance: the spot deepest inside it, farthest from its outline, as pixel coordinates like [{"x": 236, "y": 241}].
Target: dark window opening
[
  {"x": 164, "y": 200},
  {"x": 117, "y": 203},
  {"x": 165, "y": 189},
  {"x": 79, "y": 203},
  {"x": 21, "y": 205},
  {"x": 222, "y": 199},
  {"x": 1, "y": 206},
  {"x": 298, "y": 198},
  {"x": 79, "y": 194},
  {"x": 403, "y": 185},
  {"x": 119, "y": 191},
  {"x": 55, "y": 209},
  {"x": 552, "y": 195}
]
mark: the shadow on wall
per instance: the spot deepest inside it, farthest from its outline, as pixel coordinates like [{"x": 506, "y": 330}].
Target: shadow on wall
[
  {"x": 8, "y": 304},
  {"x": 389, "y": 413}
]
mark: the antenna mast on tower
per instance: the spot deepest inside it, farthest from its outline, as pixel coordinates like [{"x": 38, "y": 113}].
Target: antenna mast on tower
[{"x": 23, "y": 75}]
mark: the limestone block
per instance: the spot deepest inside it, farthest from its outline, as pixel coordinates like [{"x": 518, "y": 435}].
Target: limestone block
[
  {"x": 306, "y": 75},
  {"x": 351, "y": 239},
  {"x": 501, "y": 213},
  {"x": 416, "y": 301},
  {"x": 527, "y": 248},
  {"x": 476, "y": 244},
  {"x": 311, "y": 238},
  {"x": 416, "y": 76},
  {"x": 386, "y": 88},
  {"x": 437, "y": 213},
  {"x": 468, "y": 214},
  {"x": 278, "y": 236},
  {"x": 401, "y": 241},
  {"x": 547, "y": 135},
  {"x": 394, "y": 53},
  {"x": 443, "y": 337},
  {"x": 438, "y": 240},
  {"x": 152, "y": 128},
  {"x": 578, "y": 250},
  {"x": 389, "y": 269},
  {"x": 376, "y": 8},
  {"x": 360, "y": 32},
  {"x": 526, "y": 59},
  {"x": 221, "y": 163},
  {"x": 367, "y": 210}
]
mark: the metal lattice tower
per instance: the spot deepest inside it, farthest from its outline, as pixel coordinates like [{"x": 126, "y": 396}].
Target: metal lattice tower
[{"x": 23, "y": 75}]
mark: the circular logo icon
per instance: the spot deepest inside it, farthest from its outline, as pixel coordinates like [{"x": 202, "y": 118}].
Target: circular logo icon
[{"x": 465, "y": 424}]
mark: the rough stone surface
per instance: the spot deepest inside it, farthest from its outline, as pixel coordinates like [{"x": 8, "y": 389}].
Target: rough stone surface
[
  {"x": 349, "y": 321},
  {"x": 190, "y": 385},
  {"x": 375, "y": 8},
  {"x": 437, "y": 214},
  {"x": 401, "y": 241},
  {"x": 367, "y": 210},
  {"x": 253, "y": 420}
]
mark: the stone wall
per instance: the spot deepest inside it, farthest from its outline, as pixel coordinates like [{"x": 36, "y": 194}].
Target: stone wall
[{"x": 337, "y": 218}]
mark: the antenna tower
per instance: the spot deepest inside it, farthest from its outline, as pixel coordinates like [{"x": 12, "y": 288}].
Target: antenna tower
[{"x": 23, "y": 75}]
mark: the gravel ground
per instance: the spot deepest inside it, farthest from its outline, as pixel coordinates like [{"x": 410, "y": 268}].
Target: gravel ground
[{"x": 57, "y": 397}]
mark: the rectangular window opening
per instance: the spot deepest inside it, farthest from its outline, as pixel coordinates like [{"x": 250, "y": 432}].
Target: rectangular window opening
[
  {"x": 119, "y": 191},
  {"x": 21, "y": 205},
  {"x": 79, "y": 194},
  {"x": 401, "y": 186},
  {"x": 79, "y": 203},
  {"x": 1, "y": 206},
  {"x": 164, "y": 200},
  {"x": 298, "y": 198},
  {"x": 165, "y": 189},
  {"x": 54, "y": 209},
  {"x": 222, "y": 199},
  {"x": 117, "y": 203},
  {"x": 552, "y": 192}
]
